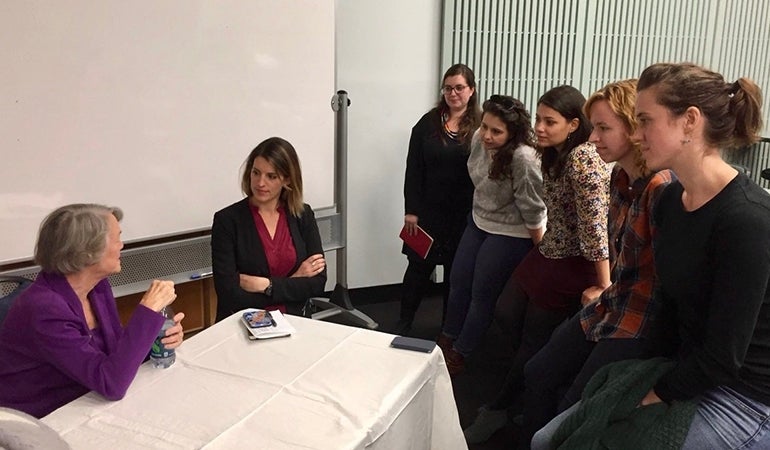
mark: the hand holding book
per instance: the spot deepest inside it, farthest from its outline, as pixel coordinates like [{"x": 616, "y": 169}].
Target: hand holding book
[{"x": 420, "y": 241}]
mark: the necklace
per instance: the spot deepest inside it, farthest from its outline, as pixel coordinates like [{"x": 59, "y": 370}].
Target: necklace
[{"x": 445, "y": 122}]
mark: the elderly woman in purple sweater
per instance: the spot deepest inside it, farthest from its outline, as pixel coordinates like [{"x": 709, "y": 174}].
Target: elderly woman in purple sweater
[{"x": 62, "y": 336}]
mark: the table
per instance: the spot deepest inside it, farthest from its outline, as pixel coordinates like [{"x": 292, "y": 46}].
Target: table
[{"x": 327, "y": 386}]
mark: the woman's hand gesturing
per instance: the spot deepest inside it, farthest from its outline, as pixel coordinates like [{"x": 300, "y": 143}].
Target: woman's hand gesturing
[{"x": 160, "y": 294}]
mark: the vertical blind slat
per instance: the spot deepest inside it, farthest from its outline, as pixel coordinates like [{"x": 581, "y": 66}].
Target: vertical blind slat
[{"x": 523, "y": 48}]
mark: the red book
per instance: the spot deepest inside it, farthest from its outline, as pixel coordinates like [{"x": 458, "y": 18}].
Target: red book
[{"x": 420, "y": 242}]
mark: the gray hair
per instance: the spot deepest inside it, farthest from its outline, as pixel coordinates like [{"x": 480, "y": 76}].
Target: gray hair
[{"x": 73, "y": 237}]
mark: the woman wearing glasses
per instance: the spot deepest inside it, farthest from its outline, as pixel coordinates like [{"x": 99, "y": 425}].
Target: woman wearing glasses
[
  {"x": 437, "y": 189},
  {"x": 507, "y": 220},
  {"x": 571, "y": 263}
]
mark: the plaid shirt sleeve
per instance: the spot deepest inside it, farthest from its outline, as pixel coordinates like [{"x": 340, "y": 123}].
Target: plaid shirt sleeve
[{"x": 627, "y": 308}]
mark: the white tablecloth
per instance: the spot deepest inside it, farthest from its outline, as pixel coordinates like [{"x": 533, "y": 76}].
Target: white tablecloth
[{"x": 327, "y": 386}]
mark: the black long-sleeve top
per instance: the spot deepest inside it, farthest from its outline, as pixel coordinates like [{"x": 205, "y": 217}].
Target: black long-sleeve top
[
  {"x": 437, "y": 187},
  {"x": 714, "y": 267}
]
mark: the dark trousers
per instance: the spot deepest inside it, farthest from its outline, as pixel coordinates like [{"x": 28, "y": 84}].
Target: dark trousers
[
  {"x": 533, "y": 326},
  {"x": 556, "y": 376},
  {"x": 482, "y": 264},
  {"x": 416, "y": 281}
]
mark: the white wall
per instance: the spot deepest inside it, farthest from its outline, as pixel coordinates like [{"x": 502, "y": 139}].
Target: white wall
[
  {"x": 153, "y": 107},
  {"x": 388, "y": 62}
]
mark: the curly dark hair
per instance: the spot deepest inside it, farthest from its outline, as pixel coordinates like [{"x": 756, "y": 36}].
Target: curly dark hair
[{"x": 519, "y": 124}]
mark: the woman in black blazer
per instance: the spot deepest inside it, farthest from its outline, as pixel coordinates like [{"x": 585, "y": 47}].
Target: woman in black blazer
[{"x": 266, "y": 249}]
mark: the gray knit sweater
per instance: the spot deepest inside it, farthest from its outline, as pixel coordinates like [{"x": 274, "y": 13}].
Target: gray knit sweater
[{"x": 510, "y": 206}]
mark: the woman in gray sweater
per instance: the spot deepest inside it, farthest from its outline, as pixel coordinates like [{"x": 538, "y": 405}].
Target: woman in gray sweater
[{"x": 507, "y": 220}]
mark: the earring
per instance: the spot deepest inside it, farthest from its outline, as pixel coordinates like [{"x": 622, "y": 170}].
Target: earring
[{"x": 685, "y": 141}]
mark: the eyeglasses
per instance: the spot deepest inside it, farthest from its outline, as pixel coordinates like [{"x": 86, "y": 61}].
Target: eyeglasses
[
  {"x": 506, "y": 102},
  {"x": 448, "y": 89}
]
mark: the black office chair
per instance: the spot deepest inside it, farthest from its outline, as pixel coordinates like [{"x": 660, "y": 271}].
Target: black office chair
[
  {"x": 10, "y": 288},
  {"x": 338, "y": 304}
]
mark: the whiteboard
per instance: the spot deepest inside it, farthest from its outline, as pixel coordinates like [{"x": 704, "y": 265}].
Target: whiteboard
[{"x": 153, "y": 106}]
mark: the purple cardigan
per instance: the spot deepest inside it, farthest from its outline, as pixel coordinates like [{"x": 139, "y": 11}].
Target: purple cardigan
[{"x": 49, "y": 357}]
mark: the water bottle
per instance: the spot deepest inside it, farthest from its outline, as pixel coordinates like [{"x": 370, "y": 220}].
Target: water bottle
[{"x": 161, "y": 356}]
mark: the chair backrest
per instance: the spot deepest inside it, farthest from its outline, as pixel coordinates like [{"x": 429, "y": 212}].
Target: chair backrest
[
  {"x": 13, "y": 285},
  {"x": 19, "y": 430}
]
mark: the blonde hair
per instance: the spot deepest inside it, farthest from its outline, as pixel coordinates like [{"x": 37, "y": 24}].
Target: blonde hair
[{"x": 621, "y": 98}]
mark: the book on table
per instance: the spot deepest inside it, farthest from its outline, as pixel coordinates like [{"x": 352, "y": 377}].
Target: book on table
[
  {"x": 420, "y": 242},
  {"x": 261, "y": 324}
]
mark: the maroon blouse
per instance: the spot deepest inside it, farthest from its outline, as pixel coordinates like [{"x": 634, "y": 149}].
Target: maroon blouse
[{"x": 279, "y": 250}]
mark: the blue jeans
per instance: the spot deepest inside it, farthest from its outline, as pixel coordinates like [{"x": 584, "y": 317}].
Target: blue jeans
[
  {"x": 727, "y": 419},
  {"x": 542, "y": 439},
  {"x": 482, "y": 265}
]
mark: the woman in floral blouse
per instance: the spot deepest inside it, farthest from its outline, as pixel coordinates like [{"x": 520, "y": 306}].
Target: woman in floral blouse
[
  {"x": 623, "y": 322},
  {"x": 570, "y": 265}
]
